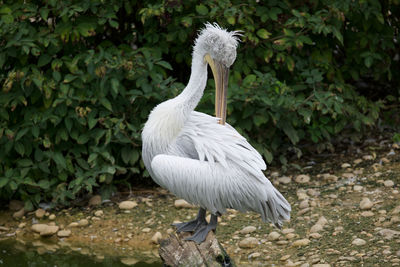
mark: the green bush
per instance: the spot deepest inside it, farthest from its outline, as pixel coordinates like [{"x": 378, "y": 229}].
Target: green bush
[{"x": 80, "y": 77}]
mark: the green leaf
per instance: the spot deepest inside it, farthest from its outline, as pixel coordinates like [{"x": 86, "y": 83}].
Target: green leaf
[
  {"x": 3, "y": 181},
  {"x": 202, "y": 9},
  {"x": 69, "y": 78},
  {"x": 126, "y": 154},
  {"x": 44, "y": 184},
  {"x": 19, "y": 147},
  {"x": 113, "y": 23},
  {"x": 44, "y": 59},
  {"x": 164, "y": 64},
  {"x": 114, "y": 85},
  {"x": 56, "y": 76},
  {"x": 59, "y": 160},
  {"x": 83, "y": 139},
  {"x": 368, "y": 61},
  {"x": 21, "y": 133},
  {"x": 7, "y": 19},
  {"x": 263, "y": 33},
  {"x": 104, "y": 101},
  {"x": 24, "y": 162},
  {"x": 249, "y": 79},
  {"x": 44, "y": 12}
]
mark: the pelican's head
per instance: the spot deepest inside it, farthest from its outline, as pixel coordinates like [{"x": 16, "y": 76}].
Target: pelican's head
[
  {"x": 218, "y": 47},
  {"x": 218, "y": 43}
]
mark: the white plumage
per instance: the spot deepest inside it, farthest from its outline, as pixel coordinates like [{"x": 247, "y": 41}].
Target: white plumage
[{"x": 196, "y": 158}]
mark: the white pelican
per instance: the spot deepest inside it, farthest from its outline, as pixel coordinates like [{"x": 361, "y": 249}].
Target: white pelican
[{"x": 200, "y": 158}]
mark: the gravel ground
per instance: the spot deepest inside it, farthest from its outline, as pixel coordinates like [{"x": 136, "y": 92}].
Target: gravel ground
[{"x": 346, "y": 212}]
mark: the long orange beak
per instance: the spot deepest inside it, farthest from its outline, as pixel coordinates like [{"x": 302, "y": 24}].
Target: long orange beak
[{"x": 221, "y": 75}]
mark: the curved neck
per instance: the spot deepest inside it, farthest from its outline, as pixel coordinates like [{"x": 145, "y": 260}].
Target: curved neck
[{"x": 193, "y": 91}]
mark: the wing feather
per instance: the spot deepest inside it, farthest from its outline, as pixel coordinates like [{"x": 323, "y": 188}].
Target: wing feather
[{"x": 204, "y": 139}]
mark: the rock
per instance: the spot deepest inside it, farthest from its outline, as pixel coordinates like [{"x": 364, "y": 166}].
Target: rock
[
  {"x": 321, "y": 265},
  {"x": 357, "y": 161},
  {"x": 156, "y": 238},
  {"x": 15, "y": 205},
  {"x": 170, "y": 231},
  {"x": 181, "y": 203},
  {"x": 366, "y": 204},
  {"x": 19, "y": 214},
  {"x": 95, "y": 200},
  {"x": 146, "y": 230},
  {"x": 301, "y": 242},
  {"x": 98, "y": 213},
  {"x": 248, "y": 242},
  {"x": 273, "y": 236},
  {"x": 345, "y": 165},
  {"x": 315, "y": 235},
  {"x": 359, "y": 242},
  {"x": 302, "y": 195},
  {"x": 248, "y": 230},
  {"x": 396, "y": 210},
  {"x": 49, "y": 230},
  {"x": 284, "y": 180},
  {"x": 5, "y": 229},
  {"x": 52, "y": 217},
  {"x": 368, "y": 157},
  {"x": 73, "y": 224},
  {"x": 39, "y": 213},
  {"x": 285, "y": 257},
  {"x": 329, "y": 177},
  {"x": 39, "y": 227},
  {"x": 64, "y": 233},
  {"x": 254, "y": 255},
  {"x": 302, "y": 179},
  {"x": 129, "y": 261},
  {"x": 388, "y": 183},
  {"x": 348, "y": 175},
  {"x": 288, "y": 231},
  {"x": 388, "y": 234},
  {"x": 127, "y": 205},
  {"x": 83, "y": 222},
  {"x": 304, "y": 204},
  {"x": 357, "y": 188},
  {"x": 367, "y": 213},
  {"x": 22, "y": 225},
  {"x": 322, "y": 221},
  {"x": 316, "y": 228}
]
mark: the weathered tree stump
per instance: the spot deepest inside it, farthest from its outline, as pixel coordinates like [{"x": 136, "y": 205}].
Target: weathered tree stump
[{"x": 175, "y": 251}]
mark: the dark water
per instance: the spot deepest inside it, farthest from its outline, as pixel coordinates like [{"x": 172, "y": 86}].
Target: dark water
[{"x": 16, "y": 254}]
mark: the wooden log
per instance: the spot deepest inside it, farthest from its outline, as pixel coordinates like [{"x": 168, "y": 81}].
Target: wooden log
[{"x": 175, "y": 252}]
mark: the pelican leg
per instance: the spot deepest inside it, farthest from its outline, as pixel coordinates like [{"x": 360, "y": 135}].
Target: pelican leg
[
  {"x": 192, "y": 225},
  {"x": 200, "y": 235}
]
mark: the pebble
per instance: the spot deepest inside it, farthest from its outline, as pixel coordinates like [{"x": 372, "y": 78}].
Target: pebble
[
  {"x": 3, "y": 228},
  {"x": 359, "y": 242},
  {"x": 19, "y": 214},
  {"x": 345, "y": 165},
  {"x": 52, "y": 217},
  {"x": 388, "y": 183},
  {"x": 368, "y": 157},
  {"x": 357, "y": 188},
  {"x": 367, "y": 213},
  {"x": 156, "y": 238},
  {"x": 181, "y": 203},
  {"x": 322, "y": 221},
  {"x": 146, "y": 230},
  {"x": 248, "y": 242},
  {"x": 170, "y": 231},
  {"x": 273, "y": 236},
  {"x": 39, "y": 227},
  {"x": 73, "y": 224},
  {"x": 348, "y": 175},
  {"x": 95, "y": 200},
  {"x": 98, "y": 213},
  {"x": 357, "y": 161},
  {"x": 315, "y": 235},
  {"x": 39, "y": 213},
  {"x": 22, "y": 225},
  {"x": 44, "y": 229},
  {"x": 316, "y": 228},
  {"x": 302, "y": 179},
  {"x": 301, "y": 242},
  {"x": 248, "y": 230},
  {"x": 285, "y": 257},
  {"x": 287, "y": 231},
  {"x": 83, "y": 222},
  {"x": 388, "y": 234},
  {"x": 284, "y": 180},
  {"x": 254, "y": 255},
  {"x": 127, "y": 205},
  {"x": 321, "y": 265},
  {"x": 366, "y": 204},
  {"x": 64, "y": 233},
  {"x": 304, "y": 204}
]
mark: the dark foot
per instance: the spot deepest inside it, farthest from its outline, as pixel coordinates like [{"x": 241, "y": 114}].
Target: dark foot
[
  {"x": 189, "y": 226},
  {"x": 192, "y": 226},
  {"x": 201, "y": 234}
]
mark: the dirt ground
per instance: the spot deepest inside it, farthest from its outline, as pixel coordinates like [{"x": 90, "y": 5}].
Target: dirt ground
[{"x": 345, "y": 212}]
